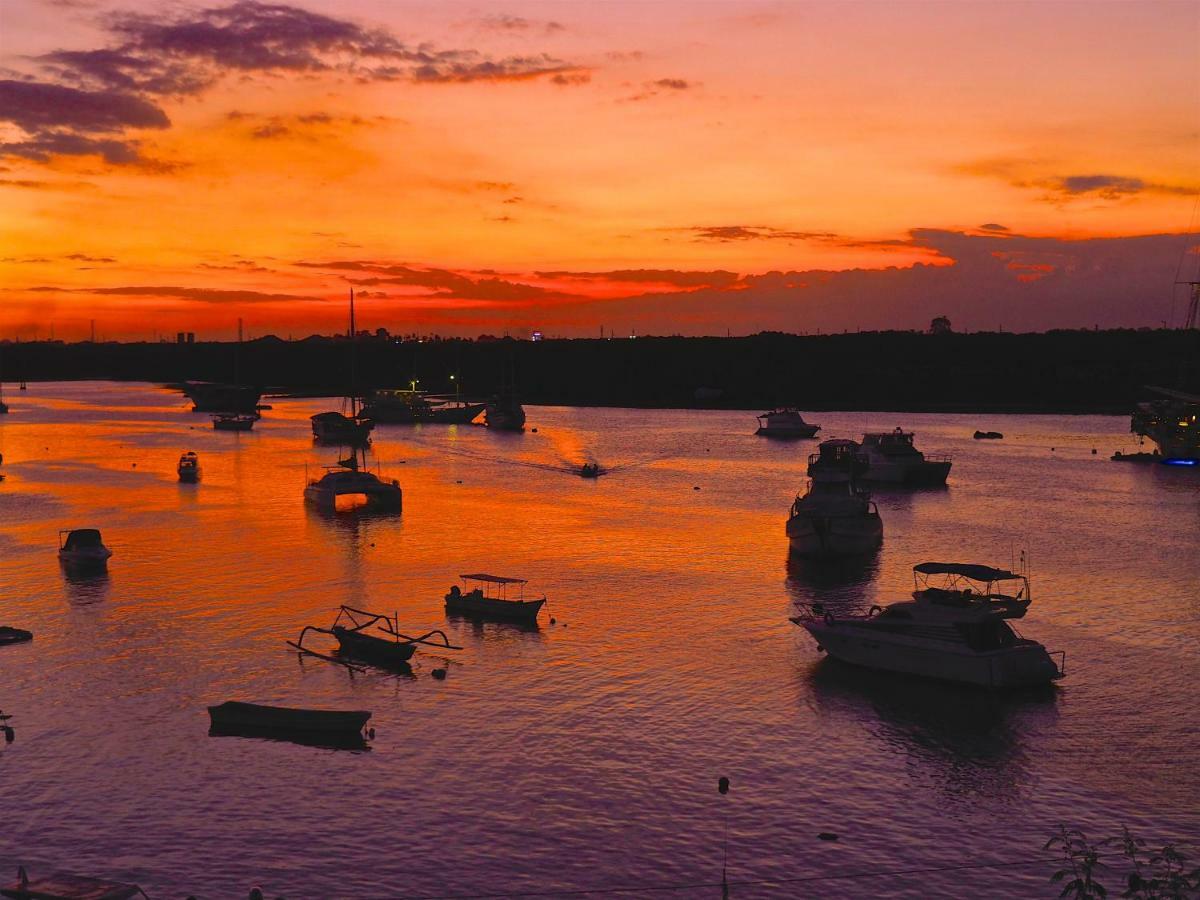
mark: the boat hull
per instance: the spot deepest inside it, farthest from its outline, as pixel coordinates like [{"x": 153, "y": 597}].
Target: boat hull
[
  {"x": 10, "y": 635},
  {"x": 189, "y": 476},
  {"x": 919, "y": 473},
  {"x": 505, "y": 418},
  {"x": 387, "y": 499},
  {"x": 235, "y": 715},
  {"x": 372, "y": 649},
  {"x": 832, "y": 536},
  {"x": 788, "y": 431},
  {"x": 488, "y": 608},
  {"x": 1024, "y": 665},
  {"x": 85, "y": 559}
]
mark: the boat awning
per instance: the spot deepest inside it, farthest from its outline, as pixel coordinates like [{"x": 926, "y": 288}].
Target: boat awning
[
  {"x": 493, "y": 579},
  {"x": 967, "y": 570}
]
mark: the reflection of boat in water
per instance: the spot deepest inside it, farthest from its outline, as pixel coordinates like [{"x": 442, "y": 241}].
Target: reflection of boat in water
[
  {"x": 82, "y": 548},
  {"x": 835, "y": 517},
  {"x": 892, "y": 457},
  {"x": 189, "y": 467},
  {"x": 477, "y": 601},
  {"x": 213, "y": 397},
  {"x": 955, "y": 631},
  {"x": 412, "y": 407},
  {"x": 988, "y": 436},
  {"x": 385, "y": 647},
  {"x": 346, "y": 486},
  {"x": 234, "y": 421},
  {"x": 1172, "y": 422},
  {"x": 785, "y": 422}
]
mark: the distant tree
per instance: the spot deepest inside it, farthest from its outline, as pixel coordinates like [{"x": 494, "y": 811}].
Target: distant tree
[{"x": 940, "y": 325}]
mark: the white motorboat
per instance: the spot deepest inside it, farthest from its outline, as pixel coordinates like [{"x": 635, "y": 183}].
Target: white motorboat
[
  {"x": 955, "y": 631},
  {"x": 82, "y": 548},
  {"x": 835, "y": 517},
  {"x": 189, "y": 467},
  {"x": 785, "y": 422},
  {"x": 891, "y": 457},
  {"x": 347, "y": 487}
]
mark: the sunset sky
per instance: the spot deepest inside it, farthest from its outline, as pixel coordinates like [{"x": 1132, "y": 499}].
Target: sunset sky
[{"x": 662, "y": 167}]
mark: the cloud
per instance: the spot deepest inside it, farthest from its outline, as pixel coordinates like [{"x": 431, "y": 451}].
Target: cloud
[
  {"x": 726, "y": 233},
  {"x": 992, "y": 226},
  {"x": 674, "y": 84},
  {"x": 199, "y": 295},
  {"x": 1108, "y": 187},
  {"x": 718, "y": 278},
  {"x": 505, "y": 22},
  {"x": 1059, "y": 189},
  {"x": 36, "y": 185},
  {"x": 467, "y": 68},
  {"x": 269, "y": 131}
]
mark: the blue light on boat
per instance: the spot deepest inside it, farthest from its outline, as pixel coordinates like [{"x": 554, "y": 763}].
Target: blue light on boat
[{"x": 1181, "y": 462}]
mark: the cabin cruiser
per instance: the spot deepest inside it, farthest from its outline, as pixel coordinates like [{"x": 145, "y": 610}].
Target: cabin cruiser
[
  {"x": 892, "y": 457},
  {"x": 210, "y": 397},
  {"x": 82, "y": 548},
  {"x": 1172, "y": 421},
  {"x": 955, "y": 630},
  {"x": 347, "y": 486},
  {"x": 785, "y": 422},
  {"x": 189, "y": 467},
  {"x": 336, "y": 428},
  {"x": 835, "y": 517},
  {"x": 398, "y": 407},
  {"x": 491, "y": 599}
]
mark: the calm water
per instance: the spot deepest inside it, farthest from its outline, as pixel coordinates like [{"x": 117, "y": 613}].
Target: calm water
[{"x": 585, "y": 754}]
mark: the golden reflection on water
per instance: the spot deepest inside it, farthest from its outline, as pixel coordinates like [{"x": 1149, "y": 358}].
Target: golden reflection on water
[{"x": 582, "y": 752}]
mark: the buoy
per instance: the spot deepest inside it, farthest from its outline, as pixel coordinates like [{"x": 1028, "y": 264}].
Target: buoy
[
  {"x": 1093, "y": 451},
  {"x": 459, "y": 481},
  {"x": 534, "y": 430},
  {"x": 723, "y": 785},
  {"x": 564, "y": 624},
  {"x": 695, "y": 487},
  {"x": 553, "y": 621},
  {"x": 827, "y": 836},
  {"x": 9, "y": 734},
  {"x": 439, "y": 674},
  {"x": 134, "y": 465},
  {"x": 371, "y": 733}
]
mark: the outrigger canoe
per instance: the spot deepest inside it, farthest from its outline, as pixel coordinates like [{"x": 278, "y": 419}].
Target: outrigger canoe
[{"x": 385, "y": 647}]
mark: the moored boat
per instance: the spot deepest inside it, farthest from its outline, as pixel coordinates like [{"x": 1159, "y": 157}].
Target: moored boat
[
  {"x": 11, "y": 635},
  {"x": 337, "y": 428},
  {"x": 234, "y": 421},
  {"x": 496, "y": 605},
  {"x": 1172, "y": 421},
  {"x": 411, "y": 407},
  {"x": 957, "y": 630},
  {"x": 189, "y": 467},
  {"x": 785, "y": 422},
  {"x": 234, "y": 714},
  {"x": 386, "y": 646},
  {"x": 212, "y": 397},
  {"x": 892, "y": 457},
  {"x": 835, "y": 517},
  {"x": 82, "y": 548},
  {"x": 345, "y": 487},
  {"x": 60, "y": 886}
]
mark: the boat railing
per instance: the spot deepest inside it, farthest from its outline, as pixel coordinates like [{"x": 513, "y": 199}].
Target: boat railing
[
  {"x": 937, "y": 457},
  {"x": 1062, "y": 661}
]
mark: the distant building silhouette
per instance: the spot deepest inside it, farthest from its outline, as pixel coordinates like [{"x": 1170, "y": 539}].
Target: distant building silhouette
[{"x": 940, "y": 325}]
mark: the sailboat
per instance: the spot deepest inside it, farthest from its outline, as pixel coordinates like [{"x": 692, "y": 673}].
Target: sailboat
[
  {"x": 350, "y": 484},
  {"x": 336, "y": 427}
]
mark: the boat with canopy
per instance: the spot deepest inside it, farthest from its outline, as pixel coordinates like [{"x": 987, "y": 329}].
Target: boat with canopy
[{"x": 489, "y": 599}]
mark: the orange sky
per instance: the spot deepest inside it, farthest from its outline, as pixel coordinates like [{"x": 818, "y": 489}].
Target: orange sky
[{"x": 479, "y": 167}]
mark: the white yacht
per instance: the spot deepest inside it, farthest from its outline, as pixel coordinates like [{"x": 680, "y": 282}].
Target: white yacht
[
  {"x": 891, "y": 457},
  {"x": 785, "y": 422},
  {"x": 835, "y": 517},
  {"x": 957, "y": 630},
  {"x": 347, "y": 487},
  {"x": 82, "y": 548}
]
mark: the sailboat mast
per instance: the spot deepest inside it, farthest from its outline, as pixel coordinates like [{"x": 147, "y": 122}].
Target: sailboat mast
[{"x": 353, "y": 361}]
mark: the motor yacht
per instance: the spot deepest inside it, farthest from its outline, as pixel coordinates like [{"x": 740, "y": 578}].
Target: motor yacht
[
  {"x": 337, "y": 428},
  {"x": 234, "y": 421},
  {"x": 505, "y": 413},
  {"x": 189, "y": 467},
  {"x": 835, "y": 517},
  {"x": 82, "y": 548},
  {"x": 956, "y": 630},
  {"x": 891, "y": 457},
  {"x": 348, "y": 486},
  {"x": 412, "y": 407},
  {"x": 785, "y": 422}
]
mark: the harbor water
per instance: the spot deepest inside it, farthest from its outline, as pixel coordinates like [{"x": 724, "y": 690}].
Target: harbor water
[{"x": 585, "y": 754}]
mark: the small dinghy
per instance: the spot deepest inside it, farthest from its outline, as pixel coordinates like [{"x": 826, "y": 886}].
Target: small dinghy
[
  {"x": 385, "y": 647},
  {"x": 58, "y": 886},
  {"x": 478, "y": 602},
  {"x": 234, "y": 715},
  {"x": 10, "y": 635},
  {"x": 988, "y": 436},
  {"x": 189, "y": 467}
]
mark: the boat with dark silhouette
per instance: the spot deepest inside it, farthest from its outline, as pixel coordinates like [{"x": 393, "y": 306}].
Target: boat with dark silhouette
[
  {"x": 490, "y": 599},
  {"x": 82, "y": 548},
  {"x": 988, "y": 436},
  {"x": 11, "y": 635},
  {"x": 234, "y": 714},
  {"x": 336, "y": 427},
  {"x": 835, "y": 517},
  {"x": 1172, "y": 421},
  {"x": 214, "y": 397},
  {"x": 392, "y": 406},
  {"x": 892, "y": 457},
  {"x": 350, "y": 485},
  {"x": 957, "y": 629},
  {"x": 188, "y": 468},
  {"x": 227, "y": 421},
  {"x": 785, "y": 422},
  {"x": 373, "y": 638},
  {"x": 61, "y": 886}
]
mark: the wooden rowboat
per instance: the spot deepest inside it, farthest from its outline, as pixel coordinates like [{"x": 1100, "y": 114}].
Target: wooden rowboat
[{"x": 235, "y": 715}]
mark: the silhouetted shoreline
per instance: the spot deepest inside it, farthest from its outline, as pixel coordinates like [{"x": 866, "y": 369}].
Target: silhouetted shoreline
[{"x": 1053, "y": 372}]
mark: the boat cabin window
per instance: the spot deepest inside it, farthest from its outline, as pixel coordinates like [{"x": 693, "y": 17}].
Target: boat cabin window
[{"x": 988, "y": 635}]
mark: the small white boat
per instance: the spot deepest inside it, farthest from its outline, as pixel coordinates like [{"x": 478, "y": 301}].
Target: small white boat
[
  {"x": 891, "y": 457},
  {"x": 82, "y": 548},
  {"x": 189, "y": 467},
  {"x": 835, "y": 517},
  {"x": 347, "y": 487},
  {"x": 956, "y": 631},
  {"x": 785, "y": 422}
]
